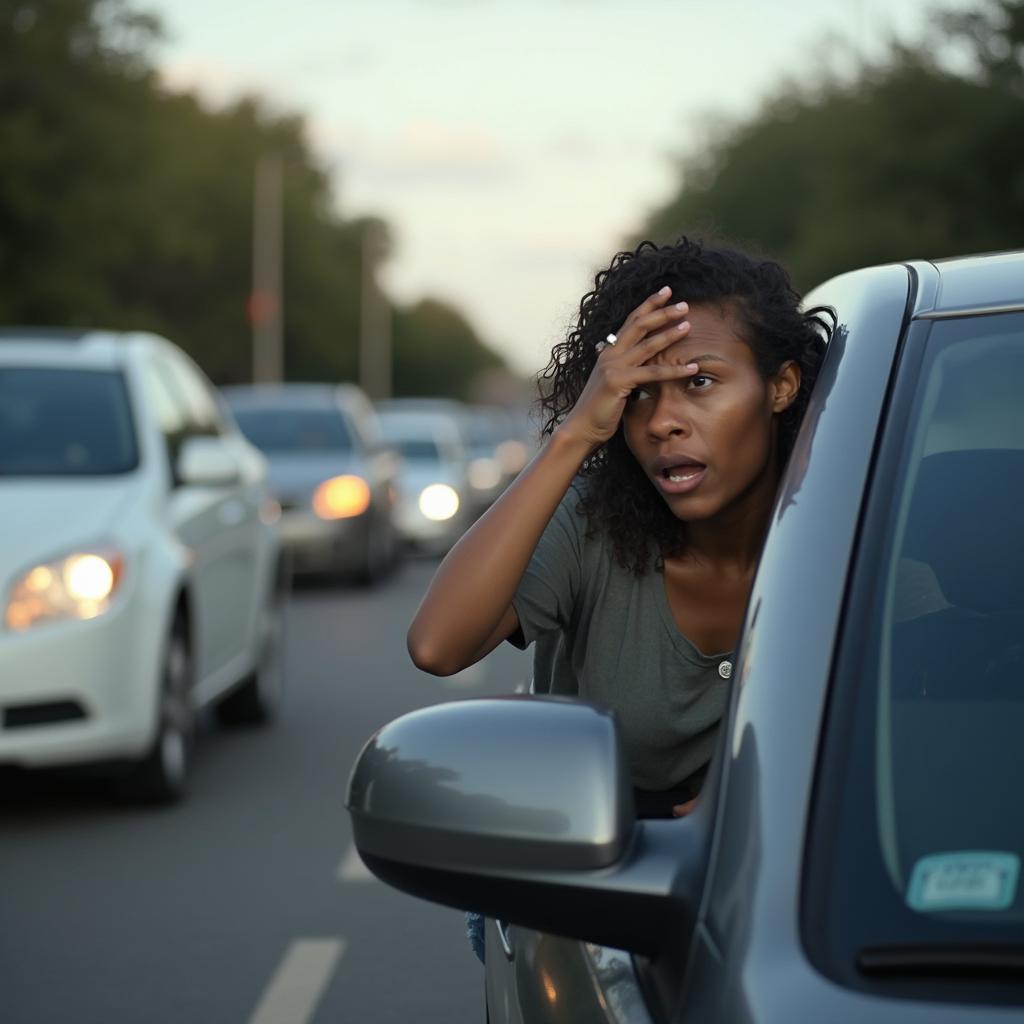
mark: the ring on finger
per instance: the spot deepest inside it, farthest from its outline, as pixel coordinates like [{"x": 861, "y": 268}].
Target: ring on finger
[{"x": 602, "y": 345}]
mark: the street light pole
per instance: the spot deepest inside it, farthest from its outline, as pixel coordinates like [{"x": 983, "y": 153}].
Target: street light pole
[
  {"x": 374, "y": 316},
  {"x": 266, "y": 303}
]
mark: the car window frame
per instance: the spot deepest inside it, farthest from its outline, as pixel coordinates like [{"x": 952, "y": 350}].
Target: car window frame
[{"x": 831, "y": 946}]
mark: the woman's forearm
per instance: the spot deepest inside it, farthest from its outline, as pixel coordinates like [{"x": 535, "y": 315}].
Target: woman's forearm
[{"x": 469, "y": 600}]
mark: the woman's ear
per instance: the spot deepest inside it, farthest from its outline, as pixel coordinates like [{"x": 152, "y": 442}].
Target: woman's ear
[{"x": 785, "y": 386}]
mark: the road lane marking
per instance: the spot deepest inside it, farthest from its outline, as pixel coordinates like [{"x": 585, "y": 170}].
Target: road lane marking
[
  {"x": 352, "y": 868},
  {"x": 299, "y": 982}
]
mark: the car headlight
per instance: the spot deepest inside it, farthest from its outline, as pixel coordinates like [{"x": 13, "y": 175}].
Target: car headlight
[
  {"x": 78, "y": 586},
  {"x": 439, "y": 502},
  {"x": 341, "y": 497}
]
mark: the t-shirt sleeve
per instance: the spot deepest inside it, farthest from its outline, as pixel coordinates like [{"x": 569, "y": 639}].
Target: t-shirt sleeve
[{"x": 547, "y": 593}]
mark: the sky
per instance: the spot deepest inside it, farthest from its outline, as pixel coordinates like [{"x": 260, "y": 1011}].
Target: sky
[{"x": 512, "y": 145}]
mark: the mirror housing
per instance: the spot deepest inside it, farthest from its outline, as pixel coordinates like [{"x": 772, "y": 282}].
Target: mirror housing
[
  {"x": 207, "y": 462},
  {"x": 521, "y": 808}
]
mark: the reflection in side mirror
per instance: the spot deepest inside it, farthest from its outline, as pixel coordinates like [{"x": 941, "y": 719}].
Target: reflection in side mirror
[{"x": 207, "y": 462}]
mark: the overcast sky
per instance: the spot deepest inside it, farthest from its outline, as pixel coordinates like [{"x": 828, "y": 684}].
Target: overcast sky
[{"x": 511, "y": 144}]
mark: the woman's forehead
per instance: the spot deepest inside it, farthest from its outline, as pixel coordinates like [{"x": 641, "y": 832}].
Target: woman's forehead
[{"x": 715, "y": 335}]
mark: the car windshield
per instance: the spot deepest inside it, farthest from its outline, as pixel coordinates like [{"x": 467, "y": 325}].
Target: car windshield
[
  {"x": 294, "y": 430},
  {"x": 921, "y": 798},
  {"x": 420, "y": 449},
  {"x": 65, "y": 422}
]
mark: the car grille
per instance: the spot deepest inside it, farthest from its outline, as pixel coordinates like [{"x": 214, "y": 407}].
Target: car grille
[{"x": 22, "y": 715}]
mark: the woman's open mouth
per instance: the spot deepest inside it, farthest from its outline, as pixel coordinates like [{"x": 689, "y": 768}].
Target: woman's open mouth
[{"x": 676, "y": 475}]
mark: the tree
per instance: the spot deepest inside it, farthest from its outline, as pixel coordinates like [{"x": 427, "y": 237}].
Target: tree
[
  {"x": 124, "y": 206},
  {"x": 910, "y": 159}
]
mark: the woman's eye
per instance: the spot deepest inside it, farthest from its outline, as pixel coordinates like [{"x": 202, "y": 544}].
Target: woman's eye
[
  {"x": 637, "y": 394},
  {"x": 700, "y": 381}
]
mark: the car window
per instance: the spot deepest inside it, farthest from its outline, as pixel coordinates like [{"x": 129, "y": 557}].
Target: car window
[
  {"x": 294, "y": 430},
  {"x": 920, "y": 832},
  {"x": 418, "y": 449},
  {"x": 204, "y": 417},
  {"x": 65, "y": 422},
  {"x": 167, "y": 407}
]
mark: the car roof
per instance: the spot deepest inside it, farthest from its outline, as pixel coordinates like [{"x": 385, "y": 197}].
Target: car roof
[
  {"x": 292, "y": 396},
  {"x": 982, "y": 283},
  {"x": 85, "y": 348}
]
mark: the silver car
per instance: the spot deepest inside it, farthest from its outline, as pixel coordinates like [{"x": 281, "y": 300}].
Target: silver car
[
  {"x": 435, "y": 503},
  {"x": 855, "y": 855},
  {"x": 331, "y": 473}
]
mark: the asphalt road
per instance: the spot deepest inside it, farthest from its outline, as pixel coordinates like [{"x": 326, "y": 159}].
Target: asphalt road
[{"x": 247, "y": 904}]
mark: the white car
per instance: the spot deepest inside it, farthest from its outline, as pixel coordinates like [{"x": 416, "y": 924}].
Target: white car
[
  {"x": 434, "y": 504},
  {"x": 140, "y": 577}
]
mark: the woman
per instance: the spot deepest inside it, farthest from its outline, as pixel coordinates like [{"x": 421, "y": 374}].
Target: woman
[{"x": 628, "y": 546}]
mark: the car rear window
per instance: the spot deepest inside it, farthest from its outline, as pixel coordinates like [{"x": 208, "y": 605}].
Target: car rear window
[
  {"x": 65, "y": 422},
  {"x": 294, "y": 430},
  {"x": 915, "y": 860}
]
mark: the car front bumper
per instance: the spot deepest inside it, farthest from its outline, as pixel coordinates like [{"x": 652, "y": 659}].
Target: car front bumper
[
  {"x": 73, "y": 692},
  {"x": 324, "y": 545}
]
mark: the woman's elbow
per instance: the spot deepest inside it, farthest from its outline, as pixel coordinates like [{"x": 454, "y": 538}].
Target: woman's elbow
[{"x": 427, "y": 657}]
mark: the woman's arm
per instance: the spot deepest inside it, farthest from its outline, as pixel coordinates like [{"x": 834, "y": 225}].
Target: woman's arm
[{"x": 468, "y": 609}]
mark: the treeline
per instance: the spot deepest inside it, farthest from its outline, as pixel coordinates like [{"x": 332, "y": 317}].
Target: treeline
[
  {"x": 919, "y": 155},
  {"x": 126, "y": 206}
]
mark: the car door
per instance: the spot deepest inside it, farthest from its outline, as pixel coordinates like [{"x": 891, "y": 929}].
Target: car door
[{"x": 235, "y": 541}]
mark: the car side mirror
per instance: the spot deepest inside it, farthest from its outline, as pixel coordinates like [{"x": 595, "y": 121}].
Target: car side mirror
[
  {"x": 207, "y": 462},
  {"x": 521, "y": 808}
]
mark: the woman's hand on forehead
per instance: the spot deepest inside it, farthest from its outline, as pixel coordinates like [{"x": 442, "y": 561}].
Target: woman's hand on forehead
[{"x": 625, "y": 362}]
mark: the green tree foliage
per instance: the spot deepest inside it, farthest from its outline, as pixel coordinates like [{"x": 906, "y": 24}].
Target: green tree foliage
[
  {"x": 125, "y": 206},
  {"x": 436, "y": 352},
  {"x": 909, "y": 159}
]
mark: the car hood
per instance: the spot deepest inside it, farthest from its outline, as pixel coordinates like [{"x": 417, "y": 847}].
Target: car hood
[
  {"x": 48, "y": 518},
  {"x": 296, "y": 476}
]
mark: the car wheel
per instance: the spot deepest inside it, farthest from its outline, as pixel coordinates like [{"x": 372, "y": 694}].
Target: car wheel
[
  {"x": 257, "y": 700},
  {"x": 162, "y": 775}
]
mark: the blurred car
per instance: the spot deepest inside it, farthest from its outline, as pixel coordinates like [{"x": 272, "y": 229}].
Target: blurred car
[
  {"x": 139, "y": 568},
  {"x": 856, "y": 852},
  {"x": 495, "y": 451},
  {"x": 330, "y": 472},
  {"x": 435, "y": 504}
]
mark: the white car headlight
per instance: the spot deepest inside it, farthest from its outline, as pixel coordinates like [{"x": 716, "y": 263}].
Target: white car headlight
[
  {"x": 439, "y": 502},
  {"x": 78, "y": 586}
]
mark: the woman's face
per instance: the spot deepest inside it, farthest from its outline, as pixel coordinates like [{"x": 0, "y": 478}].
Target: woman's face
[{"x": 707, "y": 441}]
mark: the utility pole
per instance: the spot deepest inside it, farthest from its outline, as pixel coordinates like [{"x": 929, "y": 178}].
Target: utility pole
[
  {"x": 374, "y": 315},
  {"x": 266, "y": 303}
]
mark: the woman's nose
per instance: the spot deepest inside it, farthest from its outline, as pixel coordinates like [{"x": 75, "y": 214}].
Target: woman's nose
[{"x": 668, "y": 417}]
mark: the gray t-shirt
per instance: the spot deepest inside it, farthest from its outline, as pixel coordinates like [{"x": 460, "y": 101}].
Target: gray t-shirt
[{"x": 609, "y": 637}]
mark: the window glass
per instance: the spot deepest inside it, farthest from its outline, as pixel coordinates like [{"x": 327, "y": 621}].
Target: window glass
[
  {"x": 168, "y": 409},
  {"x": 65, "y": 422},
  {"x": 294, "y": 430},
  {"x": 204, "y": 418},
  {"x": 920, "y": 797}
]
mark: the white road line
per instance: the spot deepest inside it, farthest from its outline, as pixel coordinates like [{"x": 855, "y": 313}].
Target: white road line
[
  {"x": 292, "y": 995},
  {"x": 352, "y": 868}
]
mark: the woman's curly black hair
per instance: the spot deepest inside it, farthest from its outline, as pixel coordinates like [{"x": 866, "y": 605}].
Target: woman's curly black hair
[{"x": 618, "y": 498}]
